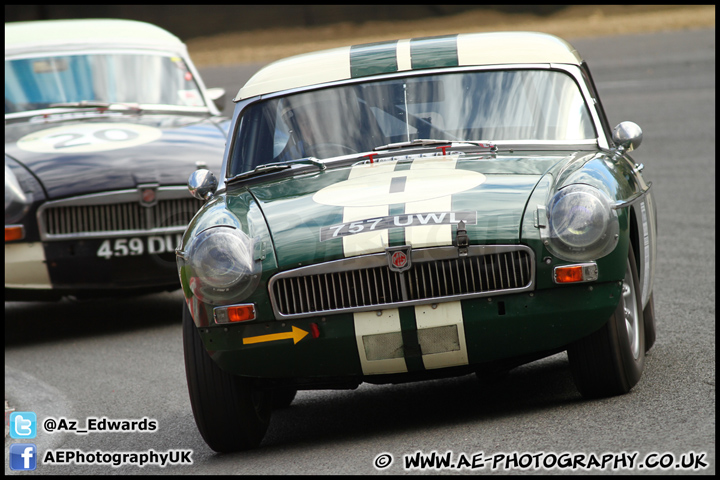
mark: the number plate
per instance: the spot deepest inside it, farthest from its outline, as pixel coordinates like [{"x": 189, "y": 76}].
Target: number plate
[
  {"x": 152, "y": 245},
  {"x": 403, "y": 220}
]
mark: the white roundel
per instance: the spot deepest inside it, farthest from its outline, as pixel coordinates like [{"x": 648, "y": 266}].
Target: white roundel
[
  {"x": 402, "y": 186},
  {"x": 88, "y": 137}
]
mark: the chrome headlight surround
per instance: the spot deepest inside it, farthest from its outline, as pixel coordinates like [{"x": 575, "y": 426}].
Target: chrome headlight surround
[
  {"x": 219, "y": 264},
  {"x": 582, "y": 224}
]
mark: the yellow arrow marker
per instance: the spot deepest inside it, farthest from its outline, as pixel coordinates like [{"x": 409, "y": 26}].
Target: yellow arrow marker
[{"x": 297, "y": 334}]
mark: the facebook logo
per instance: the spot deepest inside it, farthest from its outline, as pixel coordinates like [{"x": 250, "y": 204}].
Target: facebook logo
[
  {"x": 23, "y": 456},
  {"x": 23, "y": 425}
]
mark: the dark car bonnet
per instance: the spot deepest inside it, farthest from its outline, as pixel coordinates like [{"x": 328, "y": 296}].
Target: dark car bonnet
[{"x": 113, "y": 153}]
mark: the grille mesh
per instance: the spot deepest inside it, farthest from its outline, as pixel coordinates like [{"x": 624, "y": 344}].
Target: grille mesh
[
  {"x": 383, "y": 346},
  {"x": 129, "y": 216},
  {"x": 439, "y": 339},
  {"x": 378, "y": 286}
]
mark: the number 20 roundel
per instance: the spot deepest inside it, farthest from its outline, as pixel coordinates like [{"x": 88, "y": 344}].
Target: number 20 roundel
[{"x": 95, "y": 137}]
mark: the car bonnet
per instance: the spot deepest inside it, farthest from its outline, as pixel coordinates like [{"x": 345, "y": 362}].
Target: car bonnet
[
  {"x": 82, "y": 156},
  {"x": 365, "y": 208}
]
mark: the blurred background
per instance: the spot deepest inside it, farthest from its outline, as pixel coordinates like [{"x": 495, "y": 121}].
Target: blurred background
[
  {"x": 189, "y": 21},
  {"x": 232, "y": 34}
]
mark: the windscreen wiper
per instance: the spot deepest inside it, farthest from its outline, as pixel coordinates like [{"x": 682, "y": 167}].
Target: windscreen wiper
[
  {"x": 276, "y": 167},
  {"x": 96, "y": 104},
  {"x": 428, "y": 142}
]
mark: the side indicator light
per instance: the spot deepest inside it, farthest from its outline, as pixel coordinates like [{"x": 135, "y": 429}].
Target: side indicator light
[
  {"x": 235, "y": 313},
  {"x": 314, "y": 330},
  {"x": 585, "y": 272},
  {"x": 14, "y": 232},
  {"x": 568, "y": 274}
]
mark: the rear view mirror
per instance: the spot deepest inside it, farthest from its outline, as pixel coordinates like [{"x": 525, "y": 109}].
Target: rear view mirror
[
  {"x": 217, "y": 95},
  {"x": 202, "y": 184}
]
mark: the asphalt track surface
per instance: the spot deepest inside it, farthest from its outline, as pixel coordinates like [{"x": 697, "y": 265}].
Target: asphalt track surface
[{"x": 122, "y": 359}]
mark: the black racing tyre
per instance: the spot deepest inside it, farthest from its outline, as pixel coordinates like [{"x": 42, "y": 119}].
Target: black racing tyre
[
  {"x": 229, "y": 412},
  {"x": 283, "y": 397},
  {"x": 649, "y": 318},
  {"x": 610, "y": 361}
]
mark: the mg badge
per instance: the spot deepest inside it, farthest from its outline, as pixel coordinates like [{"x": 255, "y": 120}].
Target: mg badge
[
  {"x": 148, "y": 195},
  {"x": 399, "y": 258}
]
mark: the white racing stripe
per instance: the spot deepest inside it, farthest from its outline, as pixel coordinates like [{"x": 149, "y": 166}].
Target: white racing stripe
[
  {"x": 448, "y": 342},
  {"x": 403, "y": 55},
  {"x": 380, "y": 335},
  {"x": 369, "y": 324},
  {"x": 430, "y": 235},
  {"x": 366, "y": 242},
  {"x": 426, "y": 187}
]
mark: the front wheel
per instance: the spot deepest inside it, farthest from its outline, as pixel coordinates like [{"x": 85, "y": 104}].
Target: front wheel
[
  {"x": 230, "y": 413},
  {"x": 610, "y": 361},
  {"x": 649, "y": 317},
  {"x": 283, "y": 397}
]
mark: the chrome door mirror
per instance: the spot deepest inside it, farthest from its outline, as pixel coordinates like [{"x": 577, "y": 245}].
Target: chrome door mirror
[
  {"x": 202, "y": 184},
  {"x": 217, "y": 95},
  {"x": 627, "y": 135}
]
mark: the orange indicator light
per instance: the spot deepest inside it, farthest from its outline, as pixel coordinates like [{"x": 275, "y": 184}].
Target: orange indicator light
[
  {"x": 569, "y": 274},
  {"x": 14, "y": 232},
  {"x": 241, "y": 313}
]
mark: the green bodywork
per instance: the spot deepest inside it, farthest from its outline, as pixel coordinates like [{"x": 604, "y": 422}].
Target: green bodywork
[
  {"x": 285, "y": 221},
  {"x": 531, "y": 323}
]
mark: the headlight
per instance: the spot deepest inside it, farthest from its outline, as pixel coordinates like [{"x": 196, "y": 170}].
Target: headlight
[
  {"x": 220, "y": 265},
  {"x": 582, "y": 224}
]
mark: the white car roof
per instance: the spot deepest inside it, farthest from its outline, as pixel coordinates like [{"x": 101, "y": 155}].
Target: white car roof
[
  {"x": 410, "y": 54},
  {"x": 59, "y": 35}
]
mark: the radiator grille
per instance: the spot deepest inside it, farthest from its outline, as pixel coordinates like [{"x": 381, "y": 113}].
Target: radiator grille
[
  {"x": 377, "y": 286},
  {"x": 117, "y": 217}
]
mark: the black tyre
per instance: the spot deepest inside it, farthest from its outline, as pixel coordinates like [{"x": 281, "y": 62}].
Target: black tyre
[
  {"x": 283, "y": 397},
  {"x": 229, "y": 412},
  {"x": 611, "y": 360},
  {"x": 649, "y": 318}
]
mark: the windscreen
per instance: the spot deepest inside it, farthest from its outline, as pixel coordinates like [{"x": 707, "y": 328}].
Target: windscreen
[
  {"x": 503, "y": 105},
  {"x": 40, "y": 82}
]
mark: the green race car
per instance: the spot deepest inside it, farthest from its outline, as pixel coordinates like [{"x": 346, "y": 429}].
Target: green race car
[{"x": 411, "y": 210}]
